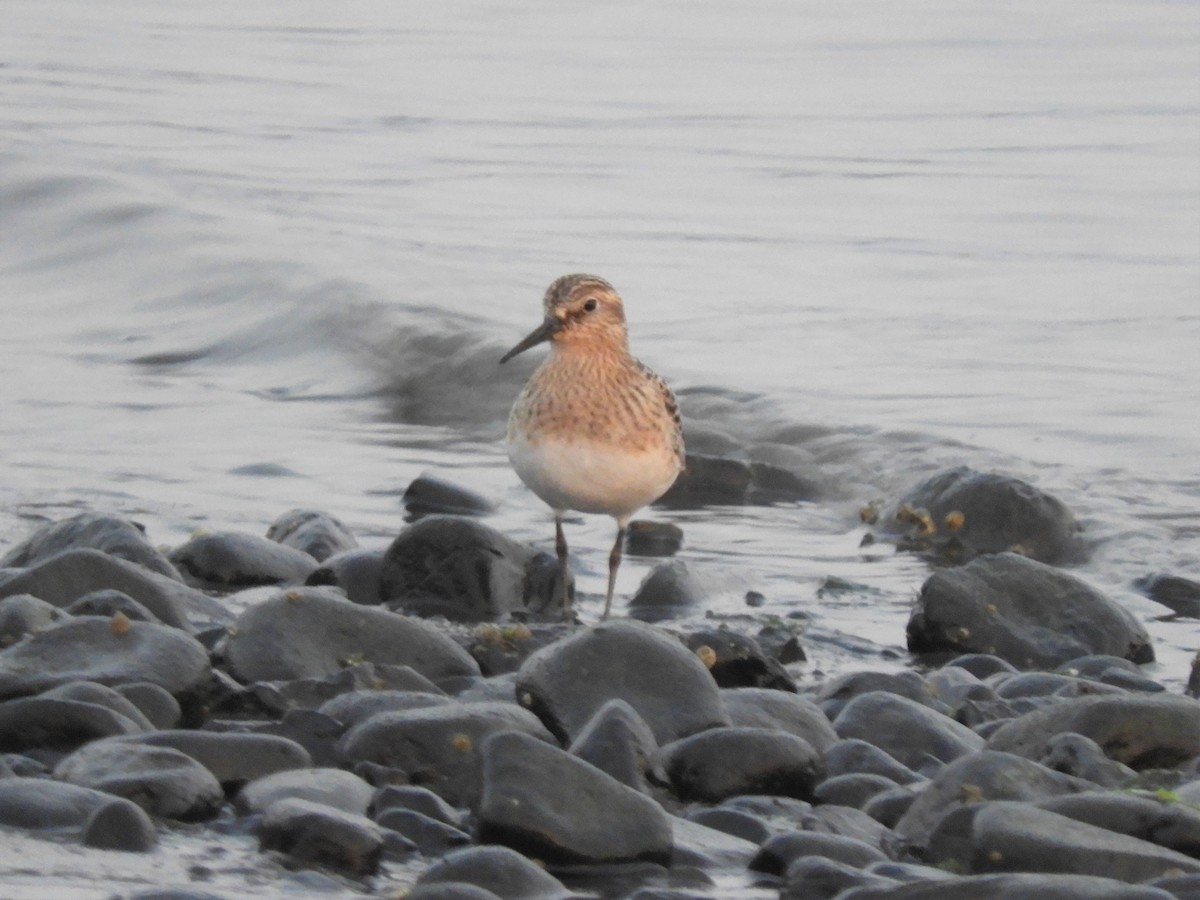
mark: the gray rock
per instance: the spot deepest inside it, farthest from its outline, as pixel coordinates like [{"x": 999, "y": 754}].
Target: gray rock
[
  {"x": 311, "y": 531},
  {"x": 907, "y": 731},
  {"x": 451, "y": 890},
  {"x": 1011, "y": 887},
  {"x": 355, "y": 572},
  {"x": 740, "y": 824},
  {"x": 705, "y": 848},
  {"x": 47, "y": 723},
  {"x": 858, "y": 757},
  {"x": 649, "y": 669},
  {"x": 1074, "y": 754},
  {"x": 889, "y": 807},
  {"x": 981, "y": 776},
  {"x": 821, "y": 878},
  {"x": 546, "y": 803},
  {"x": 437, "y": 747},
  {"x": 1011, "y": 836},
  {"x": 65, "y": 577},
  {"x": 430, "y": 836},
  {"x": 22, "y": 614},
  {"x": 1142, "y": 731},
  {"x": 105, "y": 651},
  {"x": 156, "y": 703},
  {"x": 1179, "y": 887},
  {"x": 763, "y": 708},
  {"x": 428, "y": 494},
  {"x": 416, "y": 799},
  {"x": 845, "y": 821},
  {"x": 998, "y": 605},
  {"x": 229, "y": 560},
  {"x": 669, "y": 590},
  {"x": 162, "y": 781},
  {"x": 310, "y": 632},
  {"x": 233, "y": 758},
  {"x": 778, "y": 853},
  {"x": 837, "y": 692},
  {"x": 108, "y": 603},
  {"x": 316, "y": 834},
  {"x": 333, "y": 788},
  {"x": 466, "y": 571},
  {"x": 44, "y": 804},
  {"x": 723, "y": 762},
  {"x": 358, "y": 706},
  {"x": 1169, "y": 824},
  {"x": 114, "y": 536},
  {"x": 999, "y": 513},
  {"x": 852, "y": 790},
  {"x": 99, "y": 694},
  {"x": 737, "y": 660},
  {"x": 503, "y": 871},
  {"x": 120, "y": 825},
  {"x": 982, "y": 665},
  {"x": 618, "y": 741},
  {"x": 1181, "y": 595}
]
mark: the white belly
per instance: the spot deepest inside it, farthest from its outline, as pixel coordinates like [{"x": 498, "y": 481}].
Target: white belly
[{"x": 591, "y": 477}]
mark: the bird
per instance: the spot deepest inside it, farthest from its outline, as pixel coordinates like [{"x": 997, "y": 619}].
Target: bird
[{"x": 593, "y": 430}]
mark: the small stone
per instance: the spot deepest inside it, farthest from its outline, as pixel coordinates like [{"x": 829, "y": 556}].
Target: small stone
[
  {"x": 120, "y": 825},
  {"x": 311, "y": 531},
  {"x": 316, "y": 834}
]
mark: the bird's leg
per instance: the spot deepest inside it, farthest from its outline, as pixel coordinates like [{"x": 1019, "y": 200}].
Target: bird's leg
[
  {"x": 614, "y": 561},
  {"x": 560, "y": 547}
]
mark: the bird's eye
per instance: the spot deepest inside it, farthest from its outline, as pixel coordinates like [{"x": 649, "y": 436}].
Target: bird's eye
[{"x": 589, "y": 305}]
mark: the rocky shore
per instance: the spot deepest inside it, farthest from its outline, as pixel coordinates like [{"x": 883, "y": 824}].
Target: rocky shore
[{"x": 419, "y": 722}]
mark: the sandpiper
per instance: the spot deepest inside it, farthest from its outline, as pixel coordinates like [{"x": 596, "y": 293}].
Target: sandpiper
[{"x": 594, "y": 430}]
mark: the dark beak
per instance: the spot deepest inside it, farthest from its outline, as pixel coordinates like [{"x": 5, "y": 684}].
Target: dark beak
[{"x": 542, "y": 333}]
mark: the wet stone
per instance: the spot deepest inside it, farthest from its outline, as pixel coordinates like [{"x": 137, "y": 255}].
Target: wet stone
[
  {"x": 996, "y": 604},
  {"x": 316, "y": 834},
  {"x": 468, "y": 572},
  {"x": 161, "y": 780},
  {"x": 983, "y": 776},
  {"x": 782, "y": 711},
  {"x": 913, "y": 734},
  {"x": 114, "y": 536},
  {"x": 1139, "y": 730},
  {"x": 1011, "y": 836},
  {"x": 1168, "y": 823},
  {"x": 355, "y": 572},
  {"x": 778, "y": 853},
  {"x": 42, "y": 803},
  {"x": 313, "y": 532},
  {"x": 618, "y": 741},
  {"x": 670, "y": 590},
  {"x": 1074, "y": 754},
  {"x": 64, "y": 578},
  {"x": 499, "y": 869},
  {"x": 108, "y": 603},
  {"x": 232, "y": 758},
  {"x": 652, "y": 539},
  {"x": 357, "y": 706},
  {"x": 333, "y": 788},
  {"x": 229, "y": 560},
  {"x": 723, "y": 762},
  {"x": 836, "y": 693},
  {"x": 311, "y": 632},
  {"x": 851, "y": 790},
  {"x": 120, "y": 825},
  {"x": 1017, "y": 886},
  {"x": 430, "y": 836},
  {"x": 982, "y": 665},
  {"x": 858, "y": 757},
  {"x": 738, "y": 661},
  {"x": 744, "y": 825},
  {"x": 1179, "y": 594},
  {"x": 818, "y": 877},
  {"x": 545, "y": 803},
  {"x": 416, "y": 799},
  {"x": 651, "y": 670},
  {"x": 428, "y": 495},
  {"x": 104, "y": 651},
  {"x": 995, "y": 513},
  {"x": 48, "y": 723},
  {"x": 21, "y": 614},
  {"x": 438, "y": 747}
]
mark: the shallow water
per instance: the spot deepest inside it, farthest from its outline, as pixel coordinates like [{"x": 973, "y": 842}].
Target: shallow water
[{"x": 257, "y": 257}]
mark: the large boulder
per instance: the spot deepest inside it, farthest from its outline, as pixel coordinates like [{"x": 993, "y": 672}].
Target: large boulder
[
  {"x": 566, "y": 682},
  {"x": 1029, "y": 613},
  {"x": 309, "y": 632}
]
